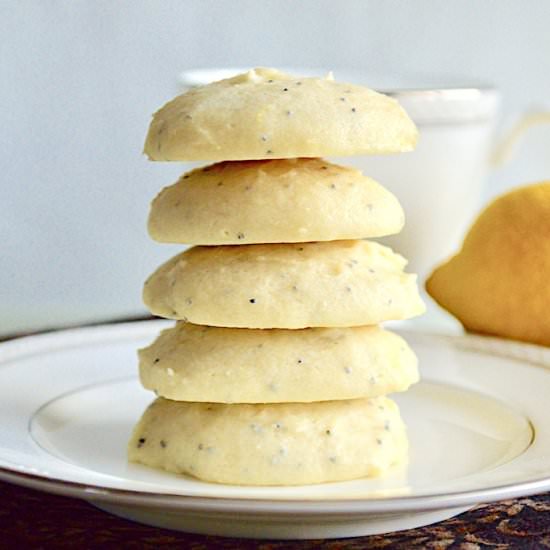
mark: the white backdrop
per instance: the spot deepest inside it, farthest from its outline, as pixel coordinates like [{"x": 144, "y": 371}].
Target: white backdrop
[{"x": 79, "y": 80}]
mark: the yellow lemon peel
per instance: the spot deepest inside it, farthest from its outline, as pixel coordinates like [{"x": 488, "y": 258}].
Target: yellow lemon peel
[{"x": 499, "y": 282}]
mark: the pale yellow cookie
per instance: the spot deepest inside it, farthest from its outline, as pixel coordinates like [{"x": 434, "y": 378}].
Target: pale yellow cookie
[
  {"x": 268, "y": 114},
  {"x": 276, "y": 444},
  {"x": 274, "y": 201},
  {"x": 230, "y": 365},
  {"x": 328, "y": 284}
]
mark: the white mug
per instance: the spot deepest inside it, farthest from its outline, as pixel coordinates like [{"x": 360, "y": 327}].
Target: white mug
[{"x": 440, "y": 184}]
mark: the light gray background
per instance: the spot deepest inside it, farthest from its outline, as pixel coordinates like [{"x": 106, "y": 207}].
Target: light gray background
[{"x": 79, "y": 80}]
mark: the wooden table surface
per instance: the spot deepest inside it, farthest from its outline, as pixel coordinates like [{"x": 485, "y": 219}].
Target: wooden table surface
[{"x": 32, "y": 519}]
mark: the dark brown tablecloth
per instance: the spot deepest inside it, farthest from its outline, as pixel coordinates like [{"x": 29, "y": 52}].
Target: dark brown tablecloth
[{"x": 30, "y": 519}]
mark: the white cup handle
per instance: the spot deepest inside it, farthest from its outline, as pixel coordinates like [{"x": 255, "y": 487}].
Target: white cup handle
[{"x": 504, "y": 149}]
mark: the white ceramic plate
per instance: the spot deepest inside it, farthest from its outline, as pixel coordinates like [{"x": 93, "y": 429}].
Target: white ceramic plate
[{"x": 478, "y": 424}]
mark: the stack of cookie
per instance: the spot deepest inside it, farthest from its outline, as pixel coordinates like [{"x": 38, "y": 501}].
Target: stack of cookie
[{"x": 276, "y": 371}]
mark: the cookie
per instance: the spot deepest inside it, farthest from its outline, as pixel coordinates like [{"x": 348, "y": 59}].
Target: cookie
[
  {"x": 268, "y": 114},
  {"x": 229, "y": 365},
  {"x": 274, "y": 201},
  {"x": 276, "y": 444},
  {"x": 327, "y": 284}
]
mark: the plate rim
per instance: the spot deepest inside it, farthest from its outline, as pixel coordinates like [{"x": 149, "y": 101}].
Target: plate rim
[
  {"x": 490, "y": 345},
  {"x": 333, "y": 507}
]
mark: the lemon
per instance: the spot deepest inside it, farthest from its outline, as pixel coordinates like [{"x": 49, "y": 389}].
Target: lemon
[{"x": 499, "y": 282}]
